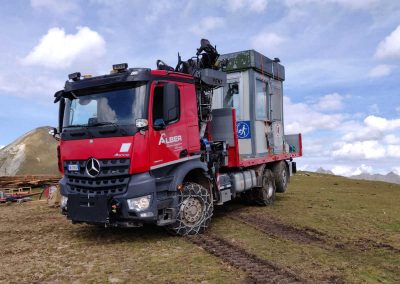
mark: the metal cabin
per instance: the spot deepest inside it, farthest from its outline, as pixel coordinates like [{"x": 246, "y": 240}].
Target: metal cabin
[{"x": 255, "y": 89}]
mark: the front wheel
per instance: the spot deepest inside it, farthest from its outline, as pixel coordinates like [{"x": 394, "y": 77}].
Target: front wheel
[{"x": 194, "y": 211}]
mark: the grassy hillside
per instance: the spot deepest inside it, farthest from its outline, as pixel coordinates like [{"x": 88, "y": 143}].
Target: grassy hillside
[{"x": 324, "y": 229}]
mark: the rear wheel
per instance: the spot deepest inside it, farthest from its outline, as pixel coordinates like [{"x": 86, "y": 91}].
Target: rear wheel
[
  {"x": 194, "y": 211},
  {"x": 281, "y": 174},
  {"x": 266, "y": 194}
]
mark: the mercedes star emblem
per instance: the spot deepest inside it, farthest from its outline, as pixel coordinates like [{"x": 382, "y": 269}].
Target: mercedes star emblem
[{"x": 93, "y": 167}]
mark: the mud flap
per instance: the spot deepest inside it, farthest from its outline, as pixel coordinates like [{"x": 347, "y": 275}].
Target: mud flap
[{"x": 87, "y": 208}]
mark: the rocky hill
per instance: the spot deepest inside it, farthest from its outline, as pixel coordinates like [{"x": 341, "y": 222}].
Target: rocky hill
[
  {"x": 321, "y": 170},
  {"x": 34, "y": 153},
  {"x": 390, "y": 177}
]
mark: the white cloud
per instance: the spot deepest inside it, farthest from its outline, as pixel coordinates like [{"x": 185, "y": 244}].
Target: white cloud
[
  {"x": 360, "y": 150},
  {"x": 390, "y": 46},
  {"x": 376, "y": 138},
  {"x": 373, "y": 128},
  {"x": 391, "y": 139},
  {"x": 40, "y": 86},
  {"x": 360, "y": 133},
  {"x": 208, "y": 24},
  {"x": 363, "y": 169},
  {"x": 330, "y": 102},
  {"x": 346, "y": 170},
  {"x": 300, "y": 117},
  {"x": 341, "y": 170},
  {"x": 381, "y": 123},
  {"x": 54, "y": 6},
  {"x": 381, "y": 71},
  {"x": 396, "y": 170},
  {"x": 257, "y": 6},
  {"x": 2, "y": 146},
  {"x": 59, "y": 50},
  {"x": 267, "y": 42},
  {"x": 393, "y": 151}
]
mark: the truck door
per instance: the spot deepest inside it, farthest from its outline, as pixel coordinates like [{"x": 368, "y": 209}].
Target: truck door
[{"x": 168, "y": 131}]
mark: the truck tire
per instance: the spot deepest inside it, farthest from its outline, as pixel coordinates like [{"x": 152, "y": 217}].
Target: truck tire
[
  {"x": 194, "y": 211},
  {"x": 281, "y": 174},
  {"x": 266, "y": 194}
]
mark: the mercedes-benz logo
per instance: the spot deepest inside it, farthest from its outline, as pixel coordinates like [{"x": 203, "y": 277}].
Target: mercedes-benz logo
[{"x": 93, "y": 167}]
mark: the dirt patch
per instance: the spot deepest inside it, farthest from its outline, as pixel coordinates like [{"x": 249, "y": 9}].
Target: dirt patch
[
  {"x": 277, "y": 229},
  {"x": 259, "y": 270},
  {"x": 367, "y": 244},
  {"x": 306, "y": 235}
]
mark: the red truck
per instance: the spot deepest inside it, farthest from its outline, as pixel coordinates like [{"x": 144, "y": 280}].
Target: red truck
[{"x": 164, "y": 146}]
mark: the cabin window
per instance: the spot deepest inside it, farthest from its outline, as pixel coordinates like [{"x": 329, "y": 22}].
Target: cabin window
[
  {"x": 232, "y": 97},
  {"x": 158, "y": 103},
  {"x": 261, "y": 100},
  {"x": 164, "y": 110}
]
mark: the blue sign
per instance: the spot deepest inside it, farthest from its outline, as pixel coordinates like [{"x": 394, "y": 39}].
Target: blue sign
[{"x": 243, "y": 129}]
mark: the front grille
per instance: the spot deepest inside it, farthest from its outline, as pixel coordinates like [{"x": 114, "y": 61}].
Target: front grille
[{"x": 112, "y": 179}]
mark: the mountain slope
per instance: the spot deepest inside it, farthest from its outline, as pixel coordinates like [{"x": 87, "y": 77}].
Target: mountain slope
[
  {"x": 34, "y": 153},
  {"x": 390, "y": 177},
  {"x": 321, "y": 170}
]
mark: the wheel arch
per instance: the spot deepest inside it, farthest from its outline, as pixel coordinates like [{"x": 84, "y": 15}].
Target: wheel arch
[
  {"x": 198, "y": 175},
  {"x": 191, "y": 171}
]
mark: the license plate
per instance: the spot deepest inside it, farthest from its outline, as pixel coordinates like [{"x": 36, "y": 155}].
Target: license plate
[{"x": 74, "y": 168}]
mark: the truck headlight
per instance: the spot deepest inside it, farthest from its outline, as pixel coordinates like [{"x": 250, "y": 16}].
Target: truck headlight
[
  {"x": 63, "y": 201},
  {"x": 139, "y": 203}
]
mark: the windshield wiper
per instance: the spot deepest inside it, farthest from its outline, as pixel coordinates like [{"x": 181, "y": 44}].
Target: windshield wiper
[
  {"x": 76, "y": 125},
  {"x": 103, "y": 123},
  {"x": 106, "y": 123}
]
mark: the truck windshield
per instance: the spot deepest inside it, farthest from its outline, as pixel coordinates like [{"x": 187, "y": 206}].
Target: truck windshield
[{"x": 122, "y": 106}]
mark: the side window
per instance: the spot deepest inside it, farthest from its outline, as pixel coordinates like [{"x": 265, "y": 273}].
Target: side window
[
  {"x": 232, "y": 97},
  {"x": 158, "y": 103},
  {"x": 166, "y": 103},
  {"x": 261, "y": 100}
]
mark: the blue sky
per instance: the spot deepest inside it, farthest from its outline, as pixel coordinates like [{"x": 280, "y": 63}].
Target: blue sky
[{"x": 342, "y": 62}]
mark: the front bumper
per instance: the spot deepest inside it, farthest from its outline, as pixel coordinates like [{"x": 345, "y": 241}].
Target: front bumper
[{"x": 93, "y": 207}]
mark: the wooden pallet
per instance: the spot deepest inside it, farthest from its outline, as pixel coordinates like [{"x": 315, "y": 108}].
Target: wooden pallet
[{"x": 16, "y": 182}]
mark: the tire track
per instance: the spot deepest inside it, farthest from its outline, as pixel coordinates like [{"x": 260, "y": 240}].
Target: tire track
[
  {"x": 276, "y": 229},
  {"x": 258, "y": 270},
  {"x": 367, "y": 244},
  {"x": 306, "y": 235}
]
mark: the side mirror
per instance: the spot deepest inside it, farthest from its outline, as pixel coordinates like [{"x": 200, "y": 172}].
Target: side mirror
[
  {"x": 141, "y": 124},
  {"x": 159, "y": 124},
  {"x": 170, "y": 102},
  {"x": 54, "y": 132},
  {"x": 58, "y": 96}
]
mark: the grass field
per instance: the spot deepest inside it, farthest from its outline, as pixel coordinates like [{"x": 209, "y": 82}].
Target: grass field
[{"x": 324, "y": 229}]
